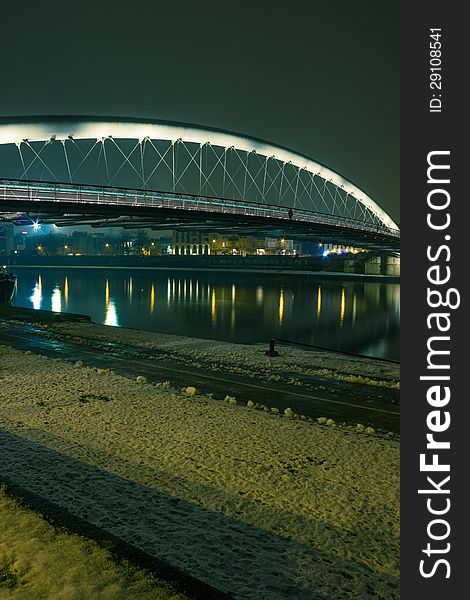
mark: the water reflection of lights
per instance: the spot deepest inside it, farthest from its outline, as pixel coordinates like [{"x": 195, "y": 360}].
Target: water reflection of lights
[
  {"x": 36, "y": 296},
  {"x": 131, "y": 286},
  {"x": 281, "y": 306},
  {"x": 343, "y": 306},
  {"x": 56, "y": 300},
  {"x": 111, "y": 317},
  {"x": 213, "y": 306},
  {"x": 393, "y": 297},
  {"x": 152, "y": 298},
  {"x": 111, "y": 314},
  {"x": 205, "y": 313}
]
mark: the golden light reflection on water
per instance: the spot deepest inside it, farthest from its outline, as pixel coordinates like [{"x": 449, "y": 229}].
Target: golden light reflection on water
[
  {"x": 152, "y": 298},
  {"x": 342, "y": 307},
  {"x": 232, "y": 315},
  {"x": 66, "y": 291},
  {"x": 213, "y": 306},
  {"x": 319, "y": 301},
  {"x": 281, "y": 306}
]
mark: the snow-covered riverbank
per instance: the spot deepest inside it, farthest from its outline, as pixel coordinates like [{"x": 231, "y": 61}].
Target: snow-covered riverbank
[
  {"x": 38, "y": 560},
  {"x": 257, "y": 504},
  {"x": 249, "y": 359}
]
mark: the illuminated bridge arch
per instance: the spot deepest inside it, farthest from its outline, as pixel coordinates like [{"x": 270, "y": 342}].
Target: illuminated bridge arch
[{"x": 129, "y": 162}]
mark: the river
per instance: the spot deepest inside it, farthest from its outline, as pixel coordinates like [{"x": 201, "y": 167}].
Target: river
[{"x": 360, "y": 317}]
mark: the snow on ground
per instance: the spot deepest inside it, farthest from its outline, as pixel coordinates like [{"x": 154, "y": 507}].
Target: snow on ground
[
  {"x": 245, "y": 359},
  {"x": 39, "y": 561},
  {"x": 261, "y": 505}
]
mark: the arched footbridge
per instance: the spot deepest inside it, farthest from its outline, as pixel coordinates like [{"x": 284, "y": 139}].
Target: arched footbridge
[{"x": 133, "y": 173}]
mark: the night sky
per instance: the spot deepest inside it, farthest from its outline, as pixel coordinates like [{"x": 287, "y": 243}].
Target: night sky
[{"x": 321, "y": 78}]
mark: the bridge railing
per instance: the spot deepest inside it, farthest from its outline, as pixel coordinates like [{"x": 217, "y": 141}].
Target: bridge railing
[{"x": 59, "y": 192}]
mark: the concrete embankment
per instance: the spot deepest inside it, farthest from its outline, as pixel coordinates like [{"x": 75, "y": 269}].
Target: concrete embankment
[
  {"x": 45, "y": 316},
  {"x": 371, "y": 268}
]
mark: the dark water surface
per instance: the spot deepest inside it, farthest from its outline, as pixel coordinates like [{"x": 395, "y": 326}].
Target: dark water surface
[{"x": 341, "y": 314}]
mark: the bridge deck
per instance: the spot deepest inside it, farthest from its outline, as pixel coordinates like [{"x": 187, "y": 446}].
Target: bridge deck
[{"x": 72, "y": 204}]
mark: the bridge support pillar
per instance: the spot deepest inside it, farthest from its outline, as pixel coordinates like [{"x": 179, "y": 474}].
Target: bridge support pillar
[
  {"x": 373, "y": 266},
  {"x": 390, "y": 266}
]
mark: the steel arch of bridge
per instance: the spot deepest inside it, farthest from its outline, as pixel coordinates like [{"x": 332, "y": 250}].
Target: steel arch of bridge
[{"x": 165, "y": 165}]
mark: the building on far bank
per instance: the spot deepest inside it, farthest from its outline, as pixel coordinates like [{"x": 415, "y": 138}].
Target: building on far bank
[
  {"x": 218, "y": 244},
  {"x": 338, "y": 249},
  {"x": 50, "y": 241},
  {"x": 6, "y": 239}
]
